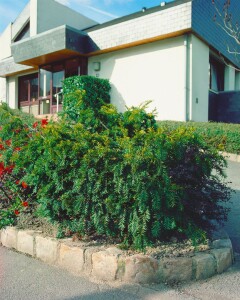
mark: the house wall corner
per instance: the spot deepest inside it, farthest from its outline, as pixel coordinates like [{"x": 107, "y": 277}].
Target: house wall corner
[{"x": 199, "y": 80}]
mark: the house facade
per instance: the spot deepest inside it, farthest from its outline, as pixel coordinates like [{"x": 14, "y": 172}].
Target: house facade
[{"x": 173, "y": 54}]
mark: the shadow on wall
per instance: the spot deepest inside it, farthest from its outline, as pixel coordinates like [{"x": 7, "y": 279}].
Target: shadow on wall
[{"x": 117, "y": 99}]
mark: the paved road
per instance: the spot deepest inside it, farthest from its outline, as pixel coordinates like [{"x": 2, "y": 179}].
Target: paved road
[
  {"x": 25, "y": 278},
  {"x": 232, "y": 226}
]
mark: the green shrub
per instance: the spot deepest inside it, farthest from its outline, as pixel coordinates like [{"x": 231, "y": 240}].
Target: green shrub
[
  {"x": 126, "y": 178},
  {"x": 16, "y": 129},
  {"x": 95, "y": 94},
  {"x": 224, "y": 137}
]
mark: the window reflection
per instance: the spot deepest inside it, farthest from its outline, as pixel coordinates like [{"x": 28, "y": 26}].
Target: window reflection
[{"x": 45, "y": 81}]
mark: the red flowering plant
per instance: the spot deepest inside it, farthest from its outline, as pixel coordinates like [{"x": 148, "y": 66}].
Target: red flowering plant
[{"x": 16, "y": 196}]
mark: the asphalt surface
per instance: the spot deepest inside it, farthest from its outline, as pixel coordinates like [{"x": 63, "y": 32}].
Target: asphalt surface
[
  {"x": 25, "y": 278},
  {"x": 232, "y": 226}
]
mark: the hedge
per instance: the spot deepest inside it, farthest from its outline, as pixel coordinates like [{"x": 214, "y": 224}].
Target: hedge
[
  {"x": 117, "y": 175},
  {"x": 224, "y": 137}
]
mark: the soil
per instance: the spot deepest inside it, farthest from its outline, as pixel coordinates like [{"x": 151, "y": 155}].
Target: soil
[{"x": 173, "y": 248}]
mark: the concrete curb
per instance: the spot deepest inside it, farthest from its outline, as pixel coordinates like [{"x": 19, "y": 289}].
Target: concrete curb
[
  {"x": 112, "y": 264},
  {"x": 231, "y": 156}
]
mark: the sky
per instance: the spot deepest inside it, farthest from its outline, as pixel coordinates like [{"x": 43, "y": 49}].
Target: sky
[{"x": 99, "y": 10}]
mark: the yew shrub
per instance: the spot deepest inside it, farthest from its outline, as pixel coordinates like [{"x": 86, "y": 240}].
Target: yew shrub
[{"x": 119, "y": 175}]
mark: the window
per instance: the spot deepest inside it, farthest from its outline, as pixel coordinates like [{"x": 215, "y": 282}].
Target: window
[
  {"x": 45, "y": 81},
  {"x": 28, "y": 88},
  {"x": 72, "y": 67},
  {"x": 216, "y": 75},
  {"x": 58, "y": 77},
  {"x": 25, "y": 33}
]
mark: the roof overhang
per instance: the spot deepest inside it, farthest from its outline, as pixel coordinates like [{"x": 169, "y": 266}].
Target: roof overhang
[{"x": 53, "y": 45}]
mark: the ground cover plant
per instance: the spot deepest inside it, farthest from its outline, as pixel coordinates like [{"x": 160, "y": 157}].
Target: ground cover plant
[
  {"x": 97, "y": 171},
  {"x": 223, "y": 136}
]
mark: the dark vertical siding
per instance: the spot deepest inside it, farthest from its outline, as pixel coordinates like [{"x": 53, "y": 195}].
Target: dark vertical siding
[{"x": 203, "y": 24}]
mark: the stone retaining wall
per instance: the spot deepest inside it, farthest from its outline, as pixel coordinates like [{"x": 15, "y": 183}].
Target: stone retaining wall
[{"x": 112, "y": 264}]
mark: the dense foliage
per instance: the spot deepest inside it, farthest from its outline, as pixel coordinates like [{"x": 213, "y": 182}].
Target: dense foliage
[
  {"x": 15, "y": 194},
  {"x": 117, "y": 174},
  {"x": 96, "y": 93},
  {"x": 222, "y": 136}
]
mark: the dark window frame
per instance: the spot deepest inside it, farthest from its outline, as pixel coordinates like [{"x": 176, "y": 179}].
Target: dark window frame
[
  {"x": 219, "y": 67},
  {"x": 24, "y": 33}
]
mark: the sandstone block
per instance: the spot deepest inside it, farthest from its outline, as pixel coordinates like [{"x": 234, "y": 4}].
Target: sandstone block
[
  {"x": 9, "y": 237},
  {"x": 204, "y": 265},
  {"x": 222, "y": 243},
  {"x": 71, "y": 258},
  {"x": 223, "y": 258},
  {"x": 25, "y": 242},
  {"x": 141, "y": 269},
  {"x": 175, "y": 269},
  {"x": 105, "y": 264},
  {"x": 88, "y": 259},
  {"x": 46, "y": 249}
]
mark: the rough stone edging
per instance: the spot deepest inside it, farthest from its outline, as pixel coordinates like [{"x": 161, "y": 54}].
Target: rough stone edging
[
  {"x": 231, "y": 156},
  {"x": 112, "y": 264}
]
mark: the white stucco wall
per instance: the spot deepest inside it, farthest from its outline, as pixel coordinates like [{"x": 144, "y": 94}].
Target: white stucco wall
[
  {"x": 48, "y": 14},
  {"x": 21, "y": 21},
  {"x": 5, "y": 42},
  {"x": 147, "y": 72},
  {"x": 12, "y": 91},
  {"x": 199, "y": 80},
  {"x": 3, "y": 89}
]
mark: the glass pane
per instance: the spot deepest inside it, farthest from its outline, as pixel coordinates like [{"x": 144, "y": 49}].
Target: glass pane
[
  {"x": 72, "y": 68},
  {"x": 33, "y": 89},
  {"x": 25, "y": 33},
  {"x": 45, "y": 82},
  {"x": 23, "y": 89},
  {"x": 58, "y": 77}
]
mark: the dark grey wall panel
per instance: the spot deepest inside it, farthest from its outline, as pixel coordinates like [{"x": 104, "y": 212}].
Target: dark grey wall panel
[{"x": 203, "y": 24}]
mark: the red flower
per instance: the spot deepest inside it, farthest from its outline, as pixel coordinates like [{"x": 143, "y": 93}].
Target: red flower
[
  {"x": 17, "y": 181},
  {"x": 17, "y": 130},
  {"x": 25, "y": 204},
  {"x": 16, "y": 212},
  {"x": 44, "y": 122},
  {"x": 24, "y": 185},
  {"x": 9, "y": 169},
  {"x": 17, "y": 149},
  {"x": 1, "y": 147},
  {"x": 35, "y": 124},
  {"x": 8, "y": 142},
  {"x": 2, "y": 169}
]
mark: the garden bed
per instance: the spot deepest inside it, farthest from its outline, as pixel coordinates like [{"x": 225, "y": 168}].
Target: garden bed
[{"x": 109, "y": 263}]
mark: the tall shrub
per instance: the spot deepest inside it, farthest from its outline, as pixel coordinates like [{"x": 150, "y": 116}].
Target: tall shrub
[
  {"x": 119, "y": 175},
  {"x": 95, "y": 93}
]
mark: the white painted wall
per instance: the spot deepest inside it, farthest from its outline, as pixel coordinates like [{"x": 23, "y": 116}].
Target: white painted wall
[
  {"x": 48, "y": 14},
  {"x": 5, "y": 42},
  {"x": 12, "y": 91},
  {"x": 3, "y": 89},
  {"x": 21, "y": 21},
  {"x": 199, "y": 80},
  {"x": 229, "y": 78},
  {"x": 147, "y": 72}
]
